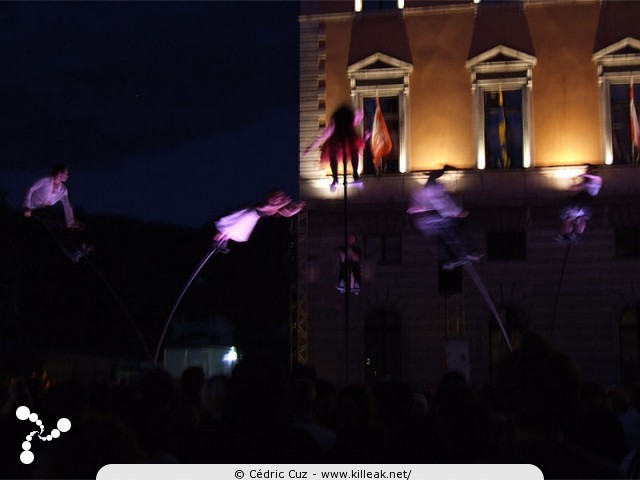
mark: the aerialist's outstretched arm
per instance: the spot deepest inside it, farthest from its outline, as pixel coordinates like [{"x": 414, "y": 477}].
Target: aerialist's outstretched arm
[
  {"x": 290, "y": 209},
  {"x": 321, "y": 139}
]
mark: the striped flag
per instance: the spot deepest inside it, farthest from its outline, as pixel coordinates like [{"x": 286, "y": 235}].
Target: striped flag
[
  {"x": 380, "y": 140},
  {"x": 502, "y": 131},
  {"x": 633, "y": 120}
]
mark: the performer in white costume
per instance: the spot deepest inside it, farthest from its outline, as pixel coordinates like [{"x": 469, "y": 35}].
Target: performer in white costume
[{"x": 239, "y": 225}]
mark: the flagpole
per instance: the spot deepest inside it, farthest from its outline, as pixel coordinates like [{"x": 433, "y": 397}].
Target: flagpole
[{"x": 634, "y": 125}]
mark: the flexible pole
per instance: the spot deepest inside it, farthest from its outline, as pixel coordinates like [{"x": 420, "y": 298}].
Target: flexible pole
[
  {"x": 471, "y": 270},
  {"x": 204, "y": 260},
  {"x": 454, "y": 243},
  {"x": 122, "y": 305},
  {"x": 555, "y": 305}
]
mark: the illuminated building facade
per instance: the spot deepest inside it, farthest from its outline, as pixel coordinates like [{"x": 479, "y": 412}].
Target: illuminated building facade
[{"x": 560, "y": 73}]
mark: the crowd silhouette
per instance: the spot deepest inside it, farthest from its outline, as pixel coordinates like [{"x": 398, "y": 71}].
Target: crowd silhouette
[{"x": 536, "y": 410}]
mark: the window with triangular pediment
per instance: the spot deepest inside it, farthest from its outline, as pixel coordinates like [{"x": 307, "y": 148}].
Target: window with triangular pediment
[
  {"x": 501, "y": 86},
  {"x": 381, "y": 81},
  {"x": 619, "y": 82}
]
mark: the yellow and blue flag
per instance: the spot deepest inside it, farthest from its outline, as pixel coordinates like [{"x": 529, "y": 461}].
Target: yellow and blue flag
[{"x": 502, "y": 131}]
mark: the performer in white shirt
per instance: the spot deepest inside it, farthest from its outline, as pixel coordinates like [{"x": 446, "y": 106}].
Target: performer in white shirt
[
  {"x": 239, "y": 225},
  {"x": 38, "y": 203}
]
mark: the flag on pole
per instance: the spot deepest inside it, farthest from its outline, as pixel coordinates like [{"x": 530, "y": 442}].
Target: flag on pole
[
  {"x": 633, "y": 120},
  {"x": 380, "y": 139},
  {"x": 502, "y": 131}
]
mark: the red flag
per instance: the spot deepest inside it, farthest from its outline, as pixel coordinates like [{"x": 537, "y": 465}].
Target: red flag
[
  {"x": 380, "y": 139},
  {"x": 633, "y": 119}
]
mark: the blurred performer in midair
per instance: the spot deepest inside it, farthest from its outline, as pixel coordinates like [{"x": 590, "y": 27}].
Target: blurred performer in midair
[
  {"x": 579, "y": 210},
  {"x": 437, "y": 216},
  {"x": 340, "y": 142},
  {"x": 239, "y": 225}
]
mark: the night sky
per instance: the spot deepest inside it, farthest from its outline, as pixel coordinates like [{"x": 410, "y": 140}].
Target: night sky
[{"x": 175, "y": 112}]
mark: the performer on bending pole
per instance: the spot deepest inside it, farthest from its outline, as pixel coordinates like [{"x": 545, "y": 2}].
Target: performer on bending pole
[
  {"x": 580, "y": 209},
  {"x": 39, "y": 202},
  {"x": 239, "y": 225},
  {"x": 349, "y": 266},
  {"x": 436, "y": 215}
]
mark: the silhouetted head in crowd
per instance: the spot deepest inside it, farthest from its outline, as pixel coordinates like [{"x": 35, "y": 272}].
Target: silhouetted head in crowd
[
  {"x": 192, "y": 381},
  {"x": 156, "y": 387},
  {"x": 539, "y": 386}
]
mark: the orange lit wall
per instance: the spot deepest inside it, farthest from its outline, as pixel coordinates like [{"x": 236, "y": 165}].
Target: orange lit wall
[
  {"x": 338, "y": 92},
  {"x": 441, "y": 121},
  {"x": 338, "y": 35},
  {"x": 565, "y": 97},
  {"x": 566, "y": 128}
]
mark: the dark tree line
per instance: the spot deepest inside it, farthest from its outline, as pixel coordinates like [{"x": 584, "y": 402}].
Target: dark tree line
[{"x": 50, "y": 304}]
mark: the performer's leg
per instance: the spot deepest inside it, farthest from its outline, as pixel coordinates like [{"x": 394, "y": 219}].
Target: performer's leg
[
  {"x": 431, "y": 225},
  {"x": 568, "y": 226},
  {"x": 357, "y": 272},
  {"x": 459, "y": 246},
  {"x": 355, "y": 162},
  {"x": 67, "y": 239},
  {"x": 333, "y": 163},
  {"x": 452, "y": 240},
  {"x": 354, "y": 275},
  {"x": 446, "y": 254},
  {"x": 436, "y": 243},
  {"x": 342, "y": 277},
  {"x": 586, "y": 212},
  {"x": 467, "y": 248}
]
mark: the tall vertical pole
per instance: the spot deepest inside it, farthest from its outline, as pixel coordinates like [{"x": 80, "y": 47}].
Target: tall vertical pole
[{"x": 347, "y": 269}]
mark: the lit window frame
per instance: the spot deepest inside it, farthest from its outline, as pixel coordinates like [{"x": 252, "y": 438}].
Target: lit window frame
[
  {"x": 614, "y": 69},
  {"x": 488, "y": 75},
  {"x": 369, "y": 82}
]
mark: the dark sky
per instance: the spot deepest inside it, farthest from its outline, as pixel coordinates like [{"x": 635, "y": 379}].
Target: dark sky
[{"x": 165, "y": 111}]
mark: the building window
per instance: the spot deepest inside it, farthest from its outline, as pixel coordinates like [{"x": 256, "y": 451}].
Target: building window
[
  {"x": 377, "y": 5},
  {"x": 623, "y": 151},
  {"x": 501, "y": 85},
  {"x": 385, "y": 248},
  {"x": 503, "y": 146},
  {"x": 618, "y": 69},
  {"x": 629, "y": 346},
  {"x": 506, "y": 246},
  {"x": 386, "y": 78},
  {"x": 627, "y": 242}
]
